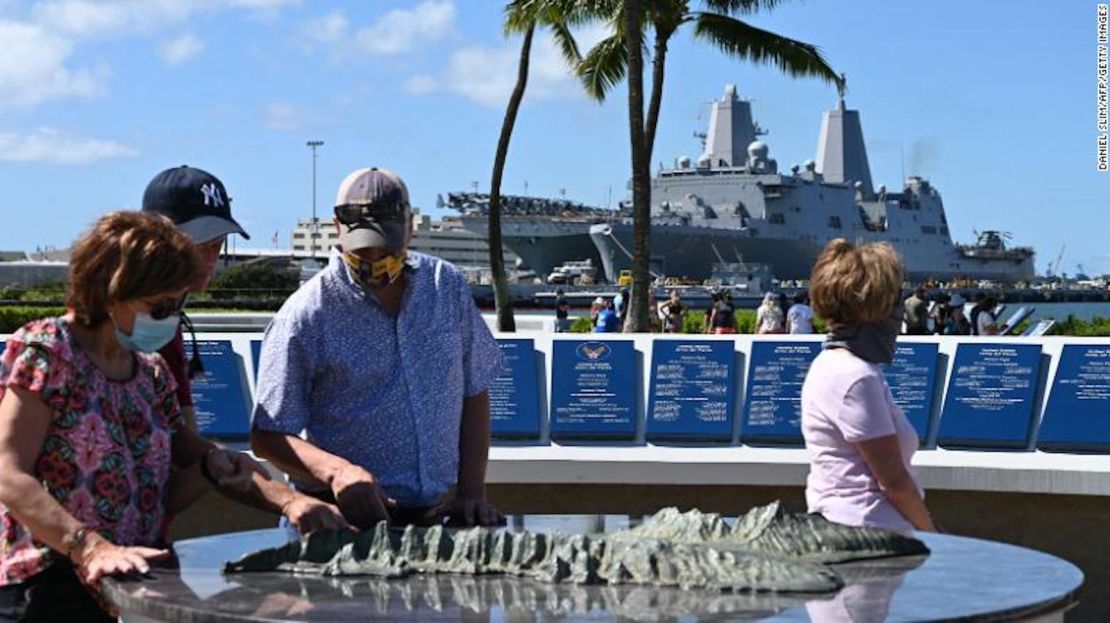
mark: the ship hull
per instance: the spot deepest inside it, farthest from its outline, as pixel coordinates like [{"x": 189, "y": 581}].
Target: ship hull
[
  {"x": 690, "y": 252},
  {"x": 544, "y": 244}
]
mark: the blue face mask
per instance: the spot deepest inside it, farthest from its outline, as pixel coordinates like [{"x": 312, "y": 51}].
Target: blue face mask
[{"x": 148, "y": 334}]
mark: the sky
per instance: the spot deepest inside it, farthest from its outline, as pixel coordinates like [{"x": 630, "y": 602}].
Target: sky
[{"x": 993, "y": 102}]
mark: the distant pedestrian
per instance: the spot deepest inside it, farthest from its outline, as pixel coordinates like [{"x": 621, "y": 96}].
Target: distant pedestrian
[
  {"x": 607, "y": 320},
  {"x": 956, "y": 323},
  {"x": 916, "y": 312},
  {"x": 595, "y": 309},
  {"x": 620, "y": 304},
  {"x": 672, "y": 312},
  {"x": 722, "y": 318},
  {"x": 799, "y": 320},
  {"x": 769, "y": 317},
  {"x": 784, "y": 304},
  {"x": 562, "y": 312},
  {"x": 939, "y": 314},
  {"x": 654, "y": 319},
  {"x": 707, "y": 326},
  {"x": 985, "y": 322}
]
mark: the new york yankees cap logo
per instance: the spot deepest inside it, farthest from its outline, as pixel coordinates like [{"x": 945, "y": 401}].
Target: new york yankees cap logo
[{"x": 195, "y": 200}]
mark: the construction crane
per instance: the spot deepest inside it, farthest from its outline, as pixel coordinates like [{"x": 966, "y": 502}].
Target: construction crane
[{"x": 1055, "y": 265}]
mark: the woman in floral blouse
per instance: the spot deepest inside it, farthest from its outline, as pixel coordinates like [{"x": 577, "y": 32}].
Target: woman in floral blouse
[{"x": 90, "y": 429}]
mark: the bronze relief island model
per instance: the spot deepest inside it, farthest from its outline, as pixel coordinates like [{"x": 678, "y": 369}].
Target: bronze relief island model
[{"x": 768, "y": 549}]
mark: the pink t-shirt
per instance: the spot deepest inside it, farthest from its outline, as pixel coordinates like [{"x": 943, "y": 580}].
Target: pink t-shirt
[{"x": 845, "y": 400}]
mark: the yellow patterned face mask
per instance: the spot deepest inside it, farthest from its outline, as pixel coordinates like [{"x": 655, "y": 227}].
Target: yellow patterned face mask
[{"x": 378, "y": 273}]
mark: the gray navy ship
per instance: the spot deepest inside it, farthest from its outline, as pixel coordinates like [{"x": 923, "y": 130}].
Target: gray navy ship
[{"x": 733, "y": 205}]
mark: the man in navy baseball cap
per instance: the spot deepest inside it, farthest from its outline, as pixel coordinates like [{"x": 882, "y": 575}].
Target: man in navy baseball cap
[{"x": 197, "y": 203}]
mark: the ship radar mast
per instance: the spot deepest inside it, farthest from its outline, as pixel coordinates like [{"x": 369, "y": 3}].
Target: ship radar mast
[
  {"x": 731, "y": 130},
  {"x": 841, "y": 152}
]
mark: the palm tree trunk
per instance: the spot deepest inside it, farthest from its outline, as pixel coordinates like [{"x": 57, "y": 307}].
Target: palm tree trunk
[
  {"x": 658, "y": 62},
  {"x": 638, "y": 318},
  {"x": 501, "y": 297}
]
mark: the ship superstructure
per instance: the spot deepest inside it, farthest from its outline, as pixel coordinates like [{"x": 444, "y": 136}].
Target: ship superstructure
[{"x": 733, "y": 204}]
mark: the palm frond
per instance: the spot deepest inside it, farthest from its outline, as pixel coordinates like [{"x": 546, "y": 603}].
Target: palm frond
[
  {"x": 740, "y": 7},
  {"x": 520, "y": 15},
  {"x": 747, "y": 42},
  {"x": 604, "y": 66},
  {"x": 564, "y": 38},
  {"x": 667, "y": 15}
]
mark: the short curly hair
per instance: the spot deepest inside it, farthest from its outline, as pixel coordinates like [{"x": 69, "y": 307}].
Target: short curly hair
[
  {"x": 853, "y": 285},
  {"x": 128, "y": 256}
]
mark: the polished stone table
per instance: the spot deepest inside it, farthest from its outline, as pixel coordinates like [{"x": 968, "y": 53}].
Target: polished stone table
[{"x": 963, "y": 578}]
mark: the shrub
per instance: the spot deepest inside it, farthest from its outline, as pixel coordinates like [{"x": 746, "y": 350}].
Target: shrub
[
  {"x": 12, "y": 318},
  {"x": 258, "y": 279},
  {"x": 581, "y": 324}
]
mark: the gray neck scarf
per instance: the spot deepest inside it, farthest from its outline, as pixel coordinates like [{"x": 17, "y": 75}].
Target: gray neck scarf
[{"x": 873, "y": 342}]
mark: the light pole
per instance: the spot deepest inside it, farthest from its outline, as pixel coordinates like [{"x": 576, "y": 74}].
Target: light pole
[{"x": 314, "y": 230}]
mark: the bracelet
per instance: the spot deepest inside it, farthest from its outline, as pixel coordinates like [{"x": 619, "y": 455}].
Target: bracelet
[
  {"x": 204, "y": 468},
  {"x": 77, "y": 540}
]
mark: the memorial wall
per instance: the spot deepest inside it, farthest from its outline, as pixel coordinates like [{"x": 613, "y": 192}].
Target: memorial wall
[{"x": 1048, "y": 393}]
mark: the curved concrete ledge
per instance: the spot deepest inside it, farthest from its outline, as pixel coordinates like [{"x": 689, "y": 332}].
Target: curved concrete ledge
[{"x": 1019, "y": 472}]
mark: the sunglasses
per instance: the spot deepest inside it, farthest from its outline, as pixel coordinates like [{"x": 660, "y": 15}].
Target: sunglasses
[
  {"x": 384, "y": 211},
  {"x": 166, "y": 307}
]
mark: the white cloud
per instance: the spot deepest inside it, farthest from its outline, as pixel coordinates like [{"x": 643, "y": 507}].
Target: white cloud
[
  {"x": 48, "y": 145},
  {"x": 401, "y": 31},
  {"x": 284, "y": 117},
  {"x": 420, "y": 85},
  {"x": 396, "y": 32},
  {"x": 180, "y": 49},
  {"x": 33, "y": 67},
  {"x": 92, "y": 18},
  {"x": 330, "y": 28},
  {"x": 37, "y": 64},
  {"x": 486, "y": 75}
]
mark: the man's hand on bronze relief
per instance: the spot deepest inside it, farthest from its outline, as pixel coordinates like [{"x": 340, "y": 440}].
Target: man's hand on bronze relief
[
  {"x": 360, "y": 497},
  {"x": 463, "y": 512}
]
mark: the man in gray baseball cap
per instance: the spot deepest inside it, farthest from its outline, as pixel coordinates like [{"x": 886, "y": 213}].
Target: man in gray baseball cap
[{"x": 383, "y": 362}]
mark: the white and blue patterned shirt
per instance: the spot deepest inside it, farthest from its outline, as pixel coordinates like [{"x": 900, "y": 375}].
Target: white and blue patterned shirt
[{"x": 380, "y": 392}]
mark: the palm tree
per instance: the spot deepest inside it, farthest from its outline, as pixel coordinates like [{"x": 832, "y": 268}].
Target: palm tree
[
  {"x": 621, "y": 52},
  {"x": 632, "y": 27},
  {"x": 521, "y": 16}
]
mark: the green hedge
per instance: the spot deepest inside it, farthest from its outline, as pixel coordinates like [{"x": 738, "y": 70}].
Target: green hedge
[
  {"x": 1095, "y": 327},
  {"x": 11, "y": 318}
]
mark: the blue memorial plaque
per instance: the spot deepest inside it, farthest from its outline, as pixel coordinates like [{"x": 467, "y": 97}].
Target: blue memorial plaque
[
  {"x": 256, "y": 357},
  {"x": 220, "y": 395},
  {"x": 1077, "y": 417},
  {"x": 593, "y": 389},
  {"x": 692, "y": 390},
  {"x": 514, "y": 397},
  {"x": 773, "y": 413},
  {"x": 989, "y": 402},
  {"x": 912, "y": 380}
]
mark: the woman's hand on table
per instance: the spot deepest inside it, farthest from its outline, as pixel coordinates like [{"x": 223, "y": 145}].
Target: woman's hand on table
[{"x": 98, "y": 557}]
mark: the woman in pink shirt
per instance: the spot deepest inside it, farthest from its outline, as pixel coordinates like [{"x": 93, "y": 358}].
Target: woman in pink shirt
[{"x": 860, "y": 442}]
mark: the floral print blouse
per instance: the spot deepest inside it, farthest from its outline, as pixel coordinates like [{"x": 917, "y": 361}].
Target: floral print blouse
[{"x": 106, "y": 455}]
